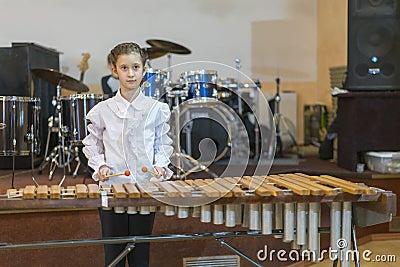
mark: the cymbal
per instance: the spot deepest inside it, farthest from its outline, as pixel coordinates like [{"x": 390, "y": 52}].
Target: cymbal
[
  {"x": 169, "y": 46},
  {"x": 154, "y": 52},
  {"x": 57, "y": 78}
]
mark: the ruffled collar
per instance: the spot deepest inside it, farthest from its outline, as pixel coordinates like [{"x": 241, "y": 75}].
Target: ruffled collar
[{"x": 120, "y": 105}]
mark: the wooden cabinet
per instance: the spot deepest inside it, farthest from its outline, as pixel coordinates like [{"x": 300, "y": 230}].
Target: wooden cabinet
[{"x": 367, "y": 121}]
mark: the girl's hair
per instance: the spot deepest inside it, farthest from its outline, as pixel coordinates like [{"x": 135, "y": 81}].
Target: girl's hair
[
  {"x": 126, "y": 49},
  {"x": 109, "y": 59}
]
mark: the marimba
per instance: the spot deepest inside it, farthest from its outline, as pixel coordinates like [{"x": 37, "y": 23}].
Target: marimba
[{"x": 289, "y": 204}]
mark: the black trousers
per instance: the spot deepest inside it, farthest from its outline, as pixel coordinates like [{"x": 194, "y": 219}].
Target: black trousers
[{"x": 119, "y": 225}]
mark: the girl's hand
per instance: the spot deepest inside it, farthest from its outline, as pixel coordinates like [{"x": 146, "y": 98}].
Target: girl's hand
[
  {"x": 161, "y": 172},
  {"x": 103, "y": 172}
]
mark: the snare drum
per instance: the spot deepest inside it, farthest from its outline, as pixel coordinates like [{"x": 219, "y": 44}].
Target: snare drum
[
  {"x": 200, "y": 83},
  {"x": 154, "y": 83},
  {"x": 19, "y": 125},
  {"x": 80, "y": 106}
]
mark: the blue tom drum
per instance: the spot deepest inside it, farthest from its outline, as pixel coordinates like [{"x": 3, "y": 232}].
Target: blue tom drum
[
  {"x": 154, "y": 83},
  {"x": 200, "y": 83}
]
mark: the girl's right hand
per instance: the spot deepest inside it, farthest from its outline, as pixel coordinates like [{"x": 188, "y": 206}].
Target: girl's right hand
[{"x": 103, "y": 172}]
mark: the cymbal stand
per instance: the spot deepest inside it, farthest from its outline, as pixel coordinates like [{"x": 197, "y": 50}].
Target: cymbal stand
[
  {"x": 60, "y": 155},
  {"x": 148, "y": 63},
  {"x": 169, "y": 62},
  {"x": 278, "y": 118},
  {"x": 239, "y": 90},
  {"x": 257, "y": 132},
  {"x": 169, "y": 70}
]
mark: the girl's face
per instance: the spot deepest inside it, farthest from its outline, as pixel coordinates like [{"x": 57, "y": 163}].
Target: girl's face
[{"x": 129, "y": 69}]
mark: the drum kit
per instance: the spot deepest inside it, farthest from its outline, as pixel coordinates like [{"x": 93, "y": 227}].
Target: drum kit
[
  {"x": 204, "y": 113},
  {"x": 20, "y": 123},
  {"x": 68, "y": 121},
  {"x": 201, "y": 89}
]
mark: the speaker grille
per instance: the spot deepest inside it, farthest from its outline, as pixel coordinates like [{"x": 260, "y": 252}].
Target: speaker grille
[
  {"x": 376, "y": 38},
  {"x": 373, "y": 45},
  {"x": 372, "y": 8}
]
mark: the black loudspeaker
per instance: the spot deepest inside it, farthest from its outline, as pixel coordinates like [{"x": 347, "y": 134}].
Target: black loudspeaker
[{"x": 373, "y": 45}]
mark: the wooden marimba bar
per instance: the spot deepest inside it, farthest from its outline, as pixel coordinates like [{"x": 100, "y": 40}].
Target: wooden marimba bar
[{"x": 289, "y": 202}]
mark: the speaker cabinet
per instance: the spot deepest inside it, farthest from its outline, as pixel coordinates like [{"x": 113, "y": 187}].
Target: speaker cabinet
[
  {"x": 373, "y": 45},
  {"x": 367, "y": 121}
]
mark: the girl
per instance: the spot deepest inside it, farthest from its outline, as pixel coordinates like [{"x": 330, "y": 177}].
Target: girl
[{"x": 128, "y": 132}]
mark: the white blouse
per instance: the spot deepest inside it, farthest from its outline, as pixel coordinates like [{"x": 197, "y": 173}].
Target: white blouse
[{"x": 128, "y": 136}]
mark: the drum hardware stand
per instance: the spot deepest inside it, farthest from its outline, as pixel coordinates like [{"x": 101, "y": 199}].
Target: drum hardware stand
[
  {"x": 75, "y": 173},
  {"x": 57, "y": 157},
  {"x": 257, "y": 131},
  {"x": 278, "y": 118},
  {"x": 188, "y": 130},
  {"x": 197, "y": 165},
  {"x": 176, "y": 94},
  {"x": 14, "y": 149},
  {"x": 239, "y": 91},
  {"x": 169, "y": 63},
  {"x": 62, "y": 162},
  {"x": 13, "y": 169},
  {"x": 240, "y": 111},
  {"x": 30, "y": 140},
  {"x": 168, "y": 70},
  {"x": 148, "y": 63},
  {"x": 50, "y": 158}
]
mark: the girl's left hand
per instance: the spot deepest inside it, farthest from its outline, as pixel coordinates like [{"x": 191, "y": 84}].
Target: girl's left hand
[{"x": 161, "y": 171}]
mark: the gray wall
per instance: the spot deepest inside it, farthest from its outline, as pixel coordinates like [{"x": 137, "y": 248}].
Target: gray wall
[{"x": 280, "y": 34}]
